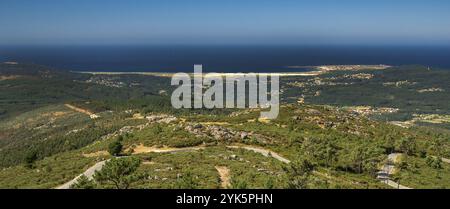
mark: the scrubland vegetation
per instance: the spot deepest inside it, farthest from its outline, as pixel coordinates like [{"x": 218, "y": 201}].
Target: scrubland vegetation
[{"x": 44, "y": 144}]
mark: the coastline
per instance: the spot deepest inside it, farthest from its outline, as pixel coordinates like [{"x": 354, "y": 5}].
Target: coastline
[
  {"x": 163, "y": 74},
  {"x": 316, "y": 70}
]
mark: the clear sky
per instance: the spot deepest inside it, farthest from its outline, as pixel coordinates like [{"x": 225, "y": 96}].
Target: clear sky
[{"x": 224, "y": 22}]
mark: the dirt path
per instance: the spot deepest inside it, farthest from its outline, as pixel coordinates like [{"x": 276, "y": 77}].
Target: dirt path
[
  {"x": 84, "y": 111},
  {"x": 143, "y": 149},
  {"x": 89, "y": 173},
  {"x": 224, "y": 174},
  {"x": 265, "y": 152},
  {"x": 11, "y": 77}
]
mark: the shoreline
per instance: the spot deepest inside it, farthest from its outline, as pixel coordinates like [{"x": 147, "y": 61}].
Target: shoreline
[
  {"x": 315, "y": 71},
  {"x": 165, "y": 74}
]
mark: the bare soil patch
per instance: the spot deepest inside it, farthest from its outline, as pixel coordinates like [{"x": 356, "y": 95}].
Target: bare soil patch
[{"x": 224, "y": 174}]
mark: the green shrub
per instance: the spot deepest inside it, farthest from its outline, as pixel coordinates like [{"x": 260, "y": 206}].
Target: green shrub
[{"x": 115, "y": 147}]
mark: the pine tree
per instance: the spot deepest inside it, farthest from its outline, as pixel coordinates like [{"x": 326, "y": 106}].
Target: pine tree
[{"x": 120, "y": 172}]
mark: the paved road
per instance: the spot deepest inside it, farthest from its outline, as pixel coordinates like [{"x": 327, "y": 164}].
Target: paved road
[
  {"x": 89, "y": 173},
  {"x": 388, "y": 169}
]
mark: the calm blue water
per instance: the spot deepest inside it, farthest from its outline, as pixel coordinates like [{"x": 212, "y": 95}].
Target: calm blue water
[{"x": 219, "y": 58}]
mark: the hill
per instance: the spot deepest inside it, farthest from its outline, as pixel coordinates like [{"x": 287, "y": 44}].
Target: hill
[{"x": 48, "y": 134}]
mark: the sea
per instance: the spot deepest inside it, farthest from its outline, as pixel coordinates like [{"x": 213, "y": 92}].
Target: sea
[{"x": 223, "y": 58}]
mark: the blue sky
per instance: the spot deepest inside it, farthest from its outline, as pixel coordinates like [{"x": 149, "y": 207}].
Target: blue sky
[{"x": 419, "y": 22}]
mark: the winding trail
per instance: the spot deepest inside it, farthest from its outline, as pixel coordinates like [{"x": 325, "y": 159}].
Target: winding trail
[
  {"x": 269, "y": 153},
  {"x": 223, "y": 171}
]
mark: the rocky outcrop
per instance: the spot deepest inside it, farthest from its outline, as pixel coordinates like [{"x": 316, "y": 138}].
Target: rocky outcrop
[
  {"x": 161, "y": 118},
  {"x": 224, "y": 134},
  {"x": 152, "y": 119}
]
